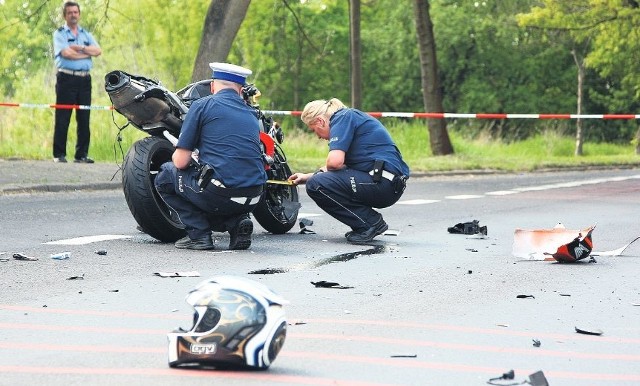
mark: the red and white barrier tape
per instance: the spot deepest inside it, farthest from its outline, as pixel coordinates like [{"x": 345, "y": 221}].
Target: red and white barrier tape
[
  {"x": 54, "y": 106},
  {"x": 376, "y": 114},
  {"x": 478, "y": 116}
]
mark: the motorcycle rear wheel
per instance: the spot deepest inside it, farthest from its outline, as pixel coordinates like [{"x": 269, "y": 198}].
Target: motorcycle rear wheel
[
  {"x": 278, "y": 208},
  {"x": 141, "y": 165}
]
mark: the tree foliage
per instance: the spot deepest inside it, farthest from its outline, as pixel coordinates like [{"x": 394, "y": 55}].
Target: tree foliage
[{"x": 299, "y": 51}]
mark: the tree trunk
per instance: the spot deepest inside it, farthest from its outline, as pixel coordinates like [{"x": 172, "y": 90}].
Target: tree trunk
[
  {"x": 432, "y": 95},
  {"x": 356, "y": 57},
  {"x": 221, "y": 25},
  {"x": 579, "y": 129}
]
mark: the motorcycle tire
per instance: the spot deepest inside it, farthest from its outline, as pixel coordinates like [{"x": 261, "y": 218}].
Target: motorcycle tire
[
  {"x": 141, "y": 165},
  {"x": 278, "y": 208}
]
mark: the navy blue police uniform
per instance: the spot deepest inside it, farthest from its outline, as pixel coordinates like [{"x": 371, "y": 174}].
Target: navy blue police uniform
[
  {"x": 374, "y": 177},
  {"x": 226, "y": 133}
]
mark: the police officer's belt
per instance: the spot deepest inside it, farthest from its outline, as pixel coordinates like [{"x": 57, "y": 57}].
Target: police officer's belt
[
  {"x": 385, "y": 174},
  {"x": 72, "y": 72},
  {"x": 243, "y": 196}
]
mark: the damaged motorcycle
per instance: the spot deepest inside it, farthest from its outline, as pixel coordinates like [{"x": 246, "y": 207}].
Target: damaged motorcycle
[{"x": 159, "y": 112}]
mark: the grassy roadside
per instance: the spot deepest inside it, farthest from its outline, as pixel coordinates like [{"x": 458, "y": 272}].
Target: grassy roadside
[{"x": 27, "y": 134}]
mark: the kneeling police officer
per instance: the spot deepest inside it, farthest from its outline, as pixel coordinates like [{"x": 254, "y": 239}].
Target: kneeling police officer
[
  {"x": 364, "y": 168},
  {"x": 219, "y": 191}
]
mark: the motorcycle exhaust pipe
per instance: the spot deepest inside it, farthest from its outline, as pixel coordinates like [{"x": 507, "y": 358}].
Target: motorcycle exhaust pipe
[{"x": 126, "y": 94}]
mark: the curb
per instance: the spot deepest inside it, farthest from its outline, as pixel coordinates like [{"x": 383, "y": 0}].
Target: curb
[{"x": 56, "y": 188}]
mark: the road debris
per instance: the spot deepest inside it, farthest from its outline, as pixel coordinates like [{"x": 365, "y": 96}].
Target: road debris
[
  {"x": 178, "y": 274},
  {"x": 468, "y": 228},
  {"x": 61, "y": 256},
  {"x": 328, "y": 284},
  {"x": 578, "y": 249},
  {"x": 403, "y": 355},
  {"x": 535, "y": 379},
  {"x": 525, "y": 296},
  {"x": 101, "y": 252},
  {"x": 531, "y": 244},
  {"x": 615, "y": 252},
  {"x": 589, "y": 332},
  {"x": 20, "y": 256},
  {"x": 304, "y": 223}
]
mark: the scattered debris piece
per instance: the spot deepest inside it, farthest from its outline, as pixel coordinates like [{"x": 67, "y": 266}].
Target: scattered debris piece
[
  {"x": 76, "y": 277},
  {"x": 61, "y": 256},
  {"x": 468, "y": 228},
  {"x": 505, "y": 376},
  {"x": 538, "y": 379},
  {"x": 20, "y": 256},
  {"x": 304, "y": 223},
  {"x": 615, "y": 252},
  {"x": 565, "y": 294},
  {"x": 471, "y": 249},
  {"x": 577, "y": 249},
  {"x": 525, "y": 296},
  {"x": 114, "y": 290},
  {"x": 532, "y": 244},
  {"x": 469, "y": 272},
  {"x": 536, "y": 343},
  {"x": 404, "y": 355},
  {"x": 535, "y": 379},
  {"x": 101, "y": 252},
  {"x": 502, "y": 325},
  {"x": 589, "y": 332},
  {"x": 328, "y": 284},
  {"x": 178, "y": 274}
]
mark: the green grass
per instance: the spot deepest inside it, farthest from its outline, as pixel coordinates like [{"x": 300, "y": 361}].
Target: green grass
[{"x": 27, "y": 133}]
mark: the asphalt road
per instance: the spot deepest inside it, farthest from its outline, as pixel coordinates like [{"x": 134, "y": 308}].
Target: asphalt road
[{"x": 425, "y": 307}]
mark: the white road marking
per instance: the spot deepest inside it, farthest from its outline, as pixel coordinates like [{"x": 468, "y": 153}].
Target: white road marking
[
  {"x": 501, "y": 193},
  {"x": 464, "y": 197},
  {"x": 417, "y": 202},
  {"x": 87, "y": 239},
  {"x": 569, "y": 184}
]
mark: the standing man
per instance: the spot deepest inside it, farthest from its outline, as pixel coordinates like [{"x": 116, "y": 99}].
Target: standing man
[
  {"x": 364, "y": 168},
  {"x": 73, "y": 48},
  {"x": 219, "y": 192}
]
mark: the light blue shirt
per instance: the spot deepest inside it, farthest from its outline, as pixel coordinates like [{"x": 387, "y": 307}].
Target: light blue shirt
[{"x": 63, "y": 38}]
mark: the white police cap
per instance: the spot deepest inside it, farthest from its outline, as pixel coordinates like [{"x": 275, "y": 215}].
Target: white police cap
[{"x": 230, "y": 72}]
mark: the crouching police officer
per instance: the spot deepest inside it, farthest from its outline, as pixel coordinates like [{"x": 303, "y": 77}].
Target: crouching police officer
[
  {"x": 364, "y": 168},
  {"x": 219, "y": 192}
]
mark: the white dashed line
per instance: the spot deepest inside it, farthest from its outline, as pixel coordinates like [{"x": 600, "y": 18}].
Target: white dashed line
[
  {"x": 464, "y": 197},
  {"x": 87, "y": 239},
  {"x": 570, "y": 184}
]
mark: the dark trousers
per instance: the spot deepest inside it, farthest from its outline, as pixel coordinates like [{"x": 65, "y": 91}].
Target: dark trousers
[
  {"x": 72, "y": 90},
  {"x": 202, "y": 211},
  {"x": 350, "y": 195}
]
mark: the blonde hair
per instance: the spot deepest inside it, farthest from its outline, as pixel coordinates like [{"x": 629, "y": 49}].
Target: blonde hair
[{"x": 320, "y": 107}]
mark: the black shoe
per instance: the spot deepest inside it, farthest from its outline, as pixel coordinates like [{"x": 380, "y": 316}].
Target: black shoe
[
  {"x": 367, "y": 235},
  {"x": 83, "y": 160},
  {"x": 202, "y": 243},
  {"x": 61, "y": 160},
  {"x": 240, "y": 235}
]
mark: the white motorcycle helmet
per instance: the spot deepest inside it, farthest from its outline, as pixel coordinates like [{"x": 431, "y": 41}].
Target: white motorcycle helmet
[{"x": 237, "y": 323}]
